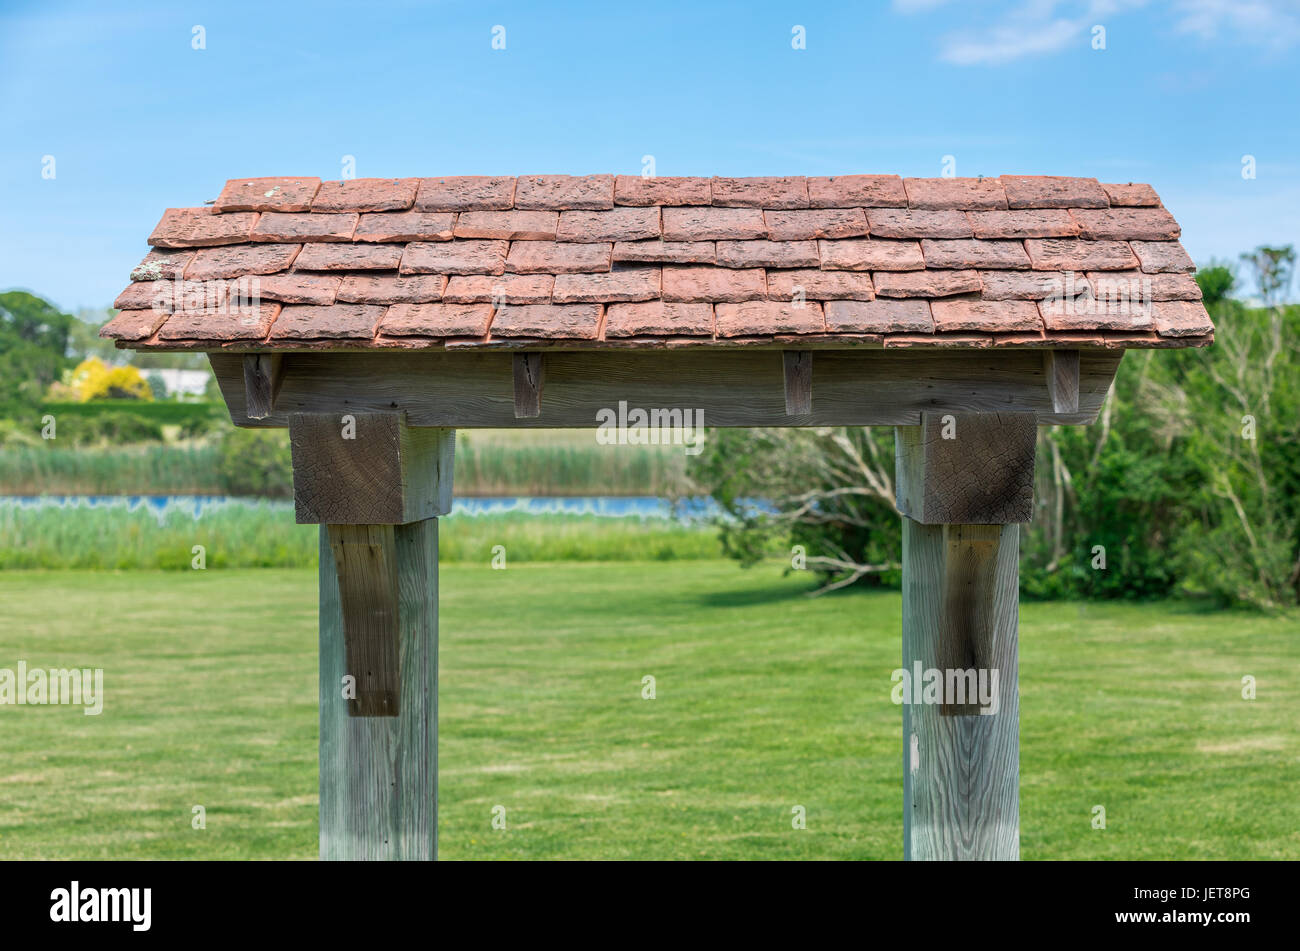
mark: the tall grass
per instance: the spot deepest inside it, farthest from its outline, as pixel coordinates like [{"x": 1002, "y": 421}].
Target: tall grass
[
  {"x": 483, "y": 468},
  {"x": 128, "y": 470},
  {"x": 252, "y": 534}
]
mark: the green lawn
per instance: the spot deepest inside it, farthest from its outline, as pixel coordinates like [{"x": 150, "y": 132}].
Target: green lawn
[{"x": 765, "y": 700}]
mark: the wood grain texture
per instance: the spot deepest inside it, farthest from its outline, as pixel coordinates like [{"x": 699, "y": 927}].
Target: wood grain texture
[
  {"x": 961, "y": 770},
  {"x": 798, "y": 381},
  {"x": 378, "y": 775},
  {"x": 983, "y": 474},
  {"x": 1062, "y": 371},
  {"x": 530, "y": 375},
  {"x": 734, "y": 388},
  {"x": 263, "y": 375},
  {"x": 368, "y": 469},
  {"x": 365, "y": 561}
]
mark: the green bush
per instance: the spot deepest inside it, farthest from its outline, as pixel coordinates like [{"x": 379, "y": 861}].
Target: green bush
[{"x": 256, "y": 462}]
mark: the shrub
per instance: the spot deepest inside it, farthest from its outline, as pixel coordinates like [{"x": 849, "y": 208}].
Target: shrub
[{"x": 256, "y": 462}]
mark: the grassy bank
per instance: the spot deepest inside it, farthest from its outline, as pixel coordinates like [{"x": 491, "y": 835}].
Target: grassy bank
[
  {"x": 488, "y": 463},
  {"x": 765, "y": 700},
  {"x": 264, "y": 535}
]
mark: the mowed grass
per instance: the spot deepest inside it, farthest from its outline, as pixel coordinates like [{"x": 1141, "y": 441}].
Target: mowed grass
[{"x": 765, "y": 700}]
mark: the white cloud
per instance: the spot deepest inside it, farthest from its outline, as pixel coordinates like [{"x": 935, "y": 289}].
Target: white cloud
[
  {"x": 1271, "y": 23},
  {"x": 1038, "y": 27}
]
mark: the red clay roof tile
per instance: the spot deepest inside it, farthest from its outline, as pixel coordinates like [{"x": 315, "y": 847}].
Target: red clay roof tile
[
  {"x": 499, "y": 289},
  {"x": 904, "y": 223},
  {"x": 857, "y": 191},
  {"x": 562, "y": 192},
  {"x": 436, "y": 320},
  {"x": 701, "y": 283},
  {"x": 954, "y": 315},
  {"x": 200, "y": 228},
  {"x": 1052, "y": 191},
  {"x": 964, "y": 194},
  {"x": 816, "y": 284},
  {"x": 392, "y": 288},
  {"x": 666, "y": 256},
  {"x": 511, "y": 225},
  {"x": 366, "y": 194},
  {"x": 666, "y": 252},
  {"x": 299, "y": 226},
  {"x": 774, "y": 192},
  {"x": 768, "y": 254},
  {"x": 927, "y": 283},
  {"x": 405, "y": 226},
  {"x": 879, "y": 316},
  {"x": 341, "y": 321},
  {"x": 636, "y": 190},
  {"x": 713, "y": 224},
  {"x": 455, "y": 257},
  {"x": 618, "y": 224},
  {"x": 870, "y": 254},
  {"x": 633, "y": 284},
  {"x": 566, "y": 321},
  {"x": 1131, "y": 195},
  {"x": 801, "y": 224},
  {"x": 466, "y": 193},
  {"x": 550, "y": 257},
  {"x": 351, "y": 257},
  {"x": 241, "y": 259},
  {"x": 267, "y": 194},
  {"x": 1064, "y": 254}
]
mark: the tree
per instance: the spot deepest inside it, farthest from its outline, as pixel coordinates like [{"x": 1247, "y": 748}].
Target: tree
[{"x": 33, "y": 346}]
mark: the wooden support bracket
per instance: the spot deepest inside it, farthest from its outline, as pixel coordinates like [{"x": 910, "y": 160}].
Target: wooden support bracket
[
  {"x": 365, "y": 562},
  {"x": 968, "y": 468},
  {"x": 263, "y": 374},
  {"x": 1062, "y": 370},
  {"x": 798, "y": 381},
  {"x": 530, "y": 375},
  {"x": 368, "y": 469}
]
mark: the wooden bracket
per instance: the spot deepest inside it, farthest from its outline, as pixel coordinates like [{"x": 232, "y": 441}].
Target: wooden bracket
[
  {"x": 263, "y": 374},
  {"x": 365, "y": 558},
  {"x": 967, "y": 468},
  {"x": 1062, "y": 369},
  {"x": 368, "y": 469},
  {"x": 530, "y": 374},
  {"x": 798, "y": 382}
]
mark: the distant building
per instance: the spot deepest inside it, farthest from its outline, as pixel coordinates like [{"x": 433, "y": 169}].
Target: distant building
[{"x": 182, "y": 382}]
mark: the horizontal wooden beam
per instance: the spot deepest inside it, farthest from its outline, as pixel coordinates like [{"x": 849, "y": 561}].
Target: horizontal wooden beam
[
  {"x": 733, "y": 388},
  {"x": 798, "y": 382},
  {"x": 356, "y": 468}
]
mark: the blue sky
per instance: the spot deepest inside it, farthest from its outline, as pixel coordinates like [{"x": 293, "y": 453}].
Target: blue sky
[{"x": 138, "y": 120}]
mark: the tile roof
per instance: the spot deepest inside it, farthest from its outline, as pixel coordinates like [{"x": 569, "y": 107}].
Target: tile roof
[{"x": 595, "y": 261}]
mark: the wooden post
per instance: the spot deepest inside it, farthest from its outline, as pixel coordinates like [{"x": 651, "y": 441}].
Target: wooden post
[
  {"x": 376, "y": 485},
  {"x": 963, "y": 484}
]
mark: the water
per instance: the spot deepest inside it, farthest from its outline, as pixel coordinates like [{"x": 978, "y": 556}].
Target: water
[{"x": 645, "y": 506}]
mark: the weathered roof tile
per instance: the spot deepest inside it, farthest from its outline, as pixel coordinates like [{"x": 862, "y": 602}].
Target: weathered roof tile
[{"x": 666, "y": 262}]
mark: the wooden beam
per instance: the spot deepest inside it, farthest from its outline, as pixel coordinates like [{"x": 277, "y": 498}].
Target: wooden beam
[
  {"x": 359, "y": 468},
  {"x": 1062, "y": 370},
  {"x": 961, "y": 775},
  {"x": 529, "y": 374},
  {"x": 861, "y": 387},
  {"x": 263, "y": 375},
  {"x": 365, "y": 561},
  {"x": 379, "y": 775},
  {"x": 798, "y": 381},
  {"x": 973, "y": 468}
]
